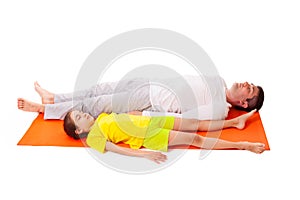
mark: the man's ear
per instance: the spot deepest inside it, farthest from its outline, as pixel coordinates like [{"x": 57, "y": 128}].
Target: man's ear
[
  {"x": 243, "y": 104},
  {"x": 78, "y": 131}
]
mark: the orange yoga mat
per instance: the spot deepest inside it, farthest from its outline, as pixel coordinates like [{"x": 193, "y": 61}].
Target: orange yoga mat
[{"x": 50, "y": 133}]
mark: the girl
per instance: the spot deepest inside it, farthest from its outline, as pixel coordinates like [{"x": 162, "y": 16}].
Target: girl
[{"x": 156, "y": 133}]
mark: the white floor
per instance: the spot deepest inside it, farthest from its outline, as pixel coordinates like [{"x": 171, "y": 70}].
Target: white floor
[{"x": 256, "y": 41}]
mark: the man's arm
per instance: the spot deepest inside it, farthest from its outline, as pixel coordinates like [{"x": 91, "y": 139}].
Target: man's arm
[
  {"x": 216, "y": 111},
  {"x": 135, "y": 112},
  {"x": 151, "y": 155}
]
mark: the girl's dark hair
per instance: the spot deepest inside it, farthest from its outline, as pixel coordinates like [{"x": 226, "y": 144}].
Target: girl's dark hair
[
  {"x": 256, "y": 102},
  {"x": 69, "y": 127}
]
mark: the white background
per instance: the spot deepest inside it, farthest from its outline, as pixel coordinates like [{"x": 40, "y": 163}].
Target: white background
[{"x": 257, "y": 41}]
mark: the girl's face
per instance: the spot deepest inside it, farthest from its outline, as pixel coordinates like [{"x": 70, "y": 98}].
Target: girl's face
[{"x": 83, "y": 121}]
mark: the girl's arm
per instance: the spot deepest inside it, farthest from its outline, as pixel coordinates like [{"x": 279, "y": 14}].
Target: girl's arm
[{"x": 151, "y": 155}]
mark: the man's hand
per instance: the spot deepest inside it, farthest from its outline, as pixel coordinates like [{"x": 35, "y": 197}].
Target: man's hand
[{"x": 229, "y": 106}]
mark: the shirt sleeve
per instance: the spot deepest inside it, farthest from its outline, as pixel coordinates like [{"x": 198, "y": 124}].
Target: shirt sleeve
[{"x": 96, "y": 140}]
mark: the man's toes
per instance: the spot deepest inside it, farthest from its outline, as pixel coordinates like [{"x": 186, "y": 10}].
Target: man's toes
[
  {"x": 20, "y": 103},
  {"x": 20, "y": 106},
  {"x": 21, "y": 100},
  {"x": 36, "y": 84}
]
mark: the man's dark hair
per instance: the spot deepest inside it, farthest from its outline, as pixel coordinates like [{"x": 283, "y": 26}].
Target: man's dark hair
[
  {"x": 256, "y": 102},
  {"x": 70, "y": 127}
]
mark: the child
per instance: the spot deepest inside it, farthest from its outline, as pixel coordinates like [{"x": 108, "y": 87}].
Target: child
[{"x": 156, "y": 133}]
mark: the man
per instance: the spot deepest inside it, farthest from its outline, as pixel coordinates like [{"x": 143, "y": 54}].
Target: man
[{"x": 201, "y": 97}]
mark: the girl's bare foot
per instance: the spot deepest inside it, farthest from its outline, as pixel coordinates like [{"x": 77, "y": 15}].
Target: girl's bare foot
[
  {"x": 240, "y": 121},
  {"x": 29, "y": 106},
  {"x": 46, "y": 96},
  {"x": 253, "y": 147}
]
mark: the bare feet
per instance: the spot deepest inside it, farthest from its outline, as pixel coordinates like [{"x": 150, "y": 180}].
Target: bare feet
[
  {"x": 253, "y": 147},
  {"x": 47, "y": 97},
  {"x": 240, "y": 121},
  {"x": 29, "y": 106}
]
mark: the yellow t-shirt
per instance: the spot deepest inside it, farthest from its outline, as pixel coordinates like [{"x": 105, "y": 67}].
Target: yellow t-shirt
[{"x": 129, "y": 129}]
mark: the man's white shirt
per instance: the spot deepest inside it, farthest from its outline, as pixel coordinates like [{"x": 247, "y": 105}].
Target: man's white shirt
[{"x": 200, "y": 97}]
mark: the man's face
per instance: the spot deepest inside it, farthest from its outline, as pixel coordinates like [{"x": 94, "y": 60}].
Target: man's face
[
  {"x": 83, "y": 121},
  {"x": 243, "y": 91}
]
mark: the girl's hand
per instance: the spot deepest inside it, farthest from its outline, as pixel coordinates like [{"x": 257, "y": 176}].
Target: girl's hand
[
  {"x": 157, "y": 157},
  {"x": 151, "y": 155}
]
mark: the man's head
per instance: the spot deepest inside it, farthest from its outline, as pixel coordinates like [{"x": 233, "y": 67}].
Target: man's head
[
  {"x": 77, "y": 124},
  {"x": 245, "y": 96}
]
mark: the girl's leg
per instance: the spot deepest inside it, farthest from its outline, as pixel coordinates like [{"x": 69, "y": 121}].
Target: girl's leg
[
  {"x": 184, "y": 138},
  {"x": 181, "y": 124}
]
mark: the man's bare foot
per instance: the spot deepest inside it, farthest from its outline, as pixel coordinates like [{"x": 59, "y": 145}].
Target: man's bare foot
[
  {"x": 46, "y": 96},
  {"x": 253, "y": 147},
  {"x": 29, "y": 106},
  {"x": 240, "y": 121}
]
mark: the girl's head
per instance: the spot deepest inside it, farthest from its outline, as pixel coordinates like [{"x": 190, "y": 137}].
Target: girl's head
[{"x": 77, "y": 124}]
